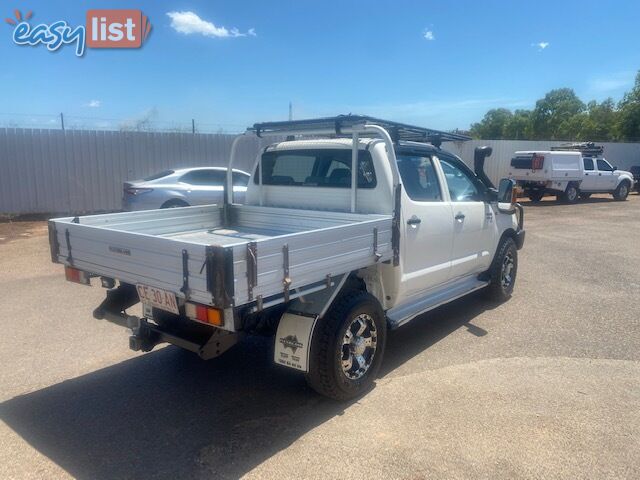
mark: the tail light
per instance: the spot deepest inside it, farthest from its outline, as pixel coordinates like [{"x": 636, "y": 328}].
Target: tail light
[
  {"x": 204, "y": 314},
  {"x": 137, "y": 191},
  {"x": 77, "y": 276},
  {"x": 537, "y": 162}
]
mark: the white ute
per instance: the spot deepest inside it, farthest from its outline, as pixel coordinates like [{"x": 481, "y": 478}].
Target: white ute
[
  {"x": 344, "y": 235},
  {"x": 570, "y": 172}
]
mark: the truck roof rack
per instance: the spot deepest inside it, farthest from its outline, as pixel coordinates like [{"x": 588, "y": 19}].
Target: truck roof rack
[
  {"x": 335, "y": 125},
  {"x": 588, "y": 149}
]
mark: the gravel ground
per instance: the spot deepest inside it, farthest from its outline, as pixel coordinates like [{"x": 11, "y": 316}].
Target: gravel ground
[{"x": 546, "y": 385}]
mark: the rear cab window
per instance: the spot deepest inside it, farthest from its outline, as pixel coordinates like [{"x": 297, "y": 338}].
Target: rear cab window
[
  {"x": 588, "y": 163},
  {"x": 315, "y": 168}
]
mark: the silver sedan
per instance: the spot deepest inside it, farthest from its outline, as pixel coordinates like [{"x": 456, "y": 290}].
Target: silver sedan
[{"x": 182, "y": 188}]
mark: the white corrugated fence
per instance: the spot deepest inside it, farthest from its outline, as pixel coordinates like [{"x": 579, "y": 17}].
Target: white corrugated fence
[{"x": 80, "y": 171}]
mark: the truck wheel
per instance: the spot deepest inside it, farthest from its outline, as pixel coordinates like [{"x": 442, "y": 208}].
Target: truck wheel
[
  {"x": 571, "y": 194},
  {"x": 621, "y": 192},
  {"x": 536, "y": 195},
  {"x": 503, "y": 271},
  {"x": 347, "y": 347},
  {"x": 585, "y": 196}
]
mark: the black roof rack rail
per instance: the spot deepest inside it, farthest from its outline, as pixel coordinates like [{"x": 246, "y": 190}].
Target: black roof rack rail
[
  {"x": 588, "y": 149},
  {"x": 398, "y": 131}
]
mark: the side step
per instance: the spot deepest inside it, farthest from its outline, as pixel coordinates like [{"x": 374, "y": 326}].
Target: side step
[{"x": 402, "y": 314}]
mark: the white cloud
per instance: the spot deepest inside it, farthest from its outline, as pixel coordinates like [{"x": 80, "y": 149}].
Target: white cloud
[
  {"x": 428, "y": 35},
  {"x": 93, "y": 104},
  {"x": 611, "y": 83},
  {"x": 190, "y": 23},
  {"x": 541, "y": 45}
]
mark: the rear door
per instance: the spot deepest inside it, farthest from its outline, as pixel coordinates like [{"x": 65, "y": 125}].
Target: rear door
[
  {"x": 204, "y": 186},
  {"x": 473, "y": 219},
  {"x": 427, "y": 226},
  {"x": 590, "y": 181},
  {"x": 606, "y": 179}
]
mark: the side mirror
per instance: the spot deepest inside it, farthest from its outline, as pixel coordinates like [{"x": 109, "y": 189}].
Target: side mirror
[
  {"x": 507, "y": 195},
  {"x": 614, "y": 168}
]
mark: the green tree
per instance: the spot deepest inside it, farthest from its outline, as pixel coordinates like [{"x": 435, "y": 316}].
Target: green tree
[
  {"x": 519, "y": 126},
  {"x": 552, "y": 115},
  {"x": 492, "y": 125},
  {"x": 628, "y": 121},
  {"x": 600, "y": 123}
]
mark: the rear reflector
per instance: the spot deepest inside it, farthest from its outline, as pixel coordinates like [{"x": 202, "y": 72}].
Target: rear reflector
[
  {"x": 205, "y": 314},
  {"x": 77, "y": 276}
]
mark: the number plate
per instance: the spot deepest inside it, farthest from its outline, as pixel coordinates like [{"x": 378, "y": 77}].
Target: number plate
[{"x": 156, "y": 297}]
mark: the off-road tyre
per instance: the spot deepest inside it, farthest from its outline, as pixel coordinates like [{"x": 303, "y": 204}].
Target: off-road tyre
[
  {"x": 622, "y": 192},
  {"x": 497, "y": 291},
  {"x": 326, "y": 375},
  {"x": 571, "y": 194}
]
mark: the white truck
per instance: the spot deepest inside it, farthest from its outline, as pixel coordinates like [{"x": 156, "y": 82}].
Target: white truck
[
  {"x": 570, "y": 172},
  {"x": 351, "y": 227}
]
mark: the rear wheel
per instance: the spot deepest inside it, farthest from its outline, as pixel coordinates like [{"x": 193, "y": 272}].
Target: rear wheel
[
  {"x": 621, "y": 192},
  {"x": 571, "y": 194},
  {"x": 175, "y": 203},
  {"x": 347, "y": 347},
  {"x": 503, "y": 271},
  {"x": 536, "y": 195}
]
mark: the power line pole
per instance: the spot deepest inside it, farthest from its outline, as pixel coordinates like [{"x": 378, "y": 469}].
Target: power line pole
[
  {"x": 62, "y": 120},
  {"x": 290, "y": 111},
  {"x": 193, "y": 126}
]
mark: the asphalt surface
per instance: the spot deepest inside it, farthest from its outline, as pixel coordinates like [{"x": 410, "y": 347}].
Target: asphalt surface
[{"x": 546, "y": 385}]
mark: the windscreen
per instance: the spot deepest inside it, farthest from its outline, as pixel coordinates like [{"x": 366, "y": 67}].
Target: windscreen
[{"x": 316, "y": 168}]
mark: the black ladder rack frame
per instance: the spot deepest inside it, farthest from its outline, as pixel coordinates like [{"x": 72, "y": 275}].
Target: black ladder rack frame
[{"x": 397, "y": 131}]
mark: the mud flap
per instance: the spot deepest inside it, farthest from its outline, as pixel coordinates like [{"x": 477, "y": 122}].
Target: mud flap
[{"x": 293, "y": 341}]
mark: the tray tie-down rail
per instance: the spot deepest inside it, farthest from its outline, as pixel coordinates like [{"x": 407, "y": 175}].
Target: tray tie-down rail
[{"x": 146, "y": 335}]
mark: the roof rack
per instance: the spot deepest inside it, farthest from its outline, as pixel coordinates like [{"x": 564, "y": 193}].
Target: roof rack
[
  {"x": 588, "y": 149},
  {"x": 336, "y": 125}
]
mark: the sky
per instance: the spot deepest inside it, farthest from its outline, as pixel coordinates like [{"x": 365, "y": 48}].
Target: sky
[{"x": 230, "y": 63}]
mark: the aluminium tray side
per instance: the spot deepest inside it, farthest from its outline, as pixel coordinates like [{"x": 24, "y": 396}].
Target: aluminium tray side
[{"x": 312, "y": 256}]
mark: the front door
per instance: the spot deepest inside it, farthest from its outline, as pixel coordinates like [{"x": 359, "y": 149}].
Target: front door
[
  {"x": 606, "y": 179},
  {"x": 473, "y": 219},
  {"x": 427, "y": 229}
]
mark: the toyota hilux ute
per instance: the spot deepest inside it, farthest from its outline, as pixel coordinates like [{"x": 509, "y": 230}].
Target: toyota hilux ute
[{"x": 351, "y": 227}]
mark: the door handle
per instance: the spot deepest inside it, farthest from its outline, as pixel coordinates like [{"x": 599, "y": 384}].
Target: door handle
[
  {"x": 460, "y": 216},
  {"x": 413, "y": 221},
  {"x": 599, "y": 174}
]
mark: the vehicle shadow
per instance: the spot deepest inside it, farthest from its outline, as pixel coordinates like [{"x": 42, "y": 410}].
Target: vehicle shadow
[
  {"x": 550, "y": 202},
  {"x": 168, "y": 414}
]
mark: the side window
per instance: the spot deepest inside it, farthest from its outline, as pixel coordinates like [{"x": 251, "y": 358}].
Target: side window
[
  {"x": 419, "y": 178},
  {"x": 588, "y": 163},
  {"x": 604, "y": 166},
  {"x": 461, "y": 187},
  {"x": 204, "y": 177}
]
